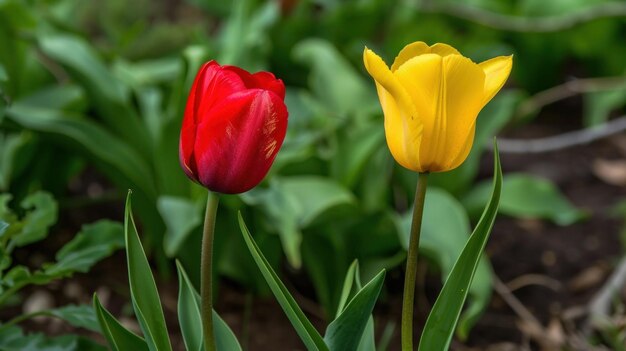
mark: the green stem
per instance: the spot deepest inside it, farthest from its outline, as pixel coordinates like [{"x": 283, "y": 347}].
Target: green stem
[
  {"x": 206, "y": 286},
  {"x": 411, "y": 264}
]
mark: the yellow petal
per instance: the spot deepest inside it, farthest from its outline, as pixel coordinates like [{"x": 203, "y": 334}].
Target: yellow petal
[
  {"x": 444, "y": 50},
  {"x": 396, "y": 133},
  {"x": 497, "y": 71},
  {"x": 447, "y": 92},
  {"x": 377, "y": 68},
  {"x": 467, "y": 147},
  {"x": 408, "y": 52}
]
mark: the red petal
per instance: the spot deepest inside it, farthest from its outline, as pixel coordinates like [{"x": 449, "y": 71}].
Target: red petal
[
  {"x": 261, "y": 80},
  {"x": 237, "y": 143}
]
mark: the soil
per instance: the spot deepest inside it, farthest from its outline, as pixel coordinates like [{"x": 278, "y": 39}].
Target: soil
[{"x": 553, "y": 271}]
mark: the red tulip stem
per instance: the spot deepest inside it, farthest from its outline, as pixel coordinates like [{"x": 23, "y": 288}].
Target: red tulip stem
[
  {"x": 411, "y": 264},
  {"x": 206, "y": 270}
]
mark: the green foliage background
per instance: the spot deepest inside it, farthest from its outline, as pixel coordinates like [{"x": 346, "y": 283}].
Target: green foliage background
[{"x": 100, "y": 86}]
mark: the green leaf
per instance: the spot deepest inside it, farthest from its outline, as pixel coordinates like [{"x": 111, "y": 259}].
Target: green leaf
[
  {"x": 10, "y": 147},
  {"x": 334, "y": 80},
  {"x": 444, "y": 315},
  {"x": 354, "y": 151},
  {"x": 181, "y": 217},
  {"x": 293, "y": 203},
  {"x": 117, "y": 154},
  {"x": 599, "y": 105},
  {"x": 309, "y": 336},
  {"x": 93, "y": 243},
  {"x": 108, "y": 95},
  {"x": 191, "y": 322},
  {"x": 13, "y": 339},
  {"x": 528, "y": 196},
  {"x": 42, "y": 214},
  {"x": 143, "y": 290},
  {"x": 346, "y": 331},
  {"x": 81, "y": 316},
  {"x": 56, "y": 97},
  {"x": 189, "y": 316},
  {"x": 77, "y": 54},
  {"x": 445, "y": 230},
  {"x": 118, "y": 337}
]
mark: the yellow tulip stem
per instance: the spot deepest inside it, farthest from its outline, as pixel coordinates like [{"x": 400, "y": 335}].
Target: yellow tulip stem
[
  {"x": 206, "y": 286},
  {"x": 411, "y": 264}
]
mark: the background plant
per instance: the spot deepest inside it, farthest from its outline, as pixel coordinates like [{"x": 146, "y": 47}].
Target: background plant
[{"x": 75, "y": 76}]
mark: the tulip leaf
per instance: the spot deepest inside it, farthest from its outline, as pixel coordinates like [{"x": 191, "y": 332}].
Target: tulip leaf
[
  {"x": 190, "y": 319},
  {"x": 308, "y": 334},
  {"x": 528, "y": 196},
  {"x": 353, "y": 327},
  {"x": 143, "y": 290},
  {"x": 12, "y": 338},
  {"x": 599, "y": 105},
  {"x": 334, "y": 80},
  {"x": 118, "y": 337},
  {"x": 445, "y": 314},
  {"x": 181, "y": 217},
  {"x": 294, "y": 203},
  {"x": 89, "y": 135},
  {"x": 445, "y": 230}
]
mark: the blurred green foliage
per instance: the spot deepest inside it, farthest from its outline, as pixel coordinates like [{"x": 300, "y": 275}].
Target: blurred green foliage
[{"x": 102, "y": 85}]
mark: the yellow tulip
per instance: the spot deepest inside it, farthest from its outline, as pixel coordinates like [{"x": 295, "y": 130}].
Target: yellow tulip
[{"x": 431, "y": 98}]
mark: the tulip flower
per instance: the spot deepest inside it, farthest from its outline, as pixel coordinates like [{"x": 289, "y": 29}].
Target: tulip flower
[
  {"x": 234, "y": 125},
  {"x": 431, "y": 97}
]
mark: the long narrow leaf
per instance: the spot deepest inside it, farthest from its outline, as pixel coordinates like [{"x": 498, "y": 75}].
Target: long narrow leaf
[
  {"x": 311, "y": 338},
  {"x": 190, "y": 319},
  {"x": 143, "y": 290},
  {"x": 345, "y": 332},
  {"x": 118, "y": 337},
  {"x": 115, "y": 153},
  {"x": 445, "y": 313},
  {"x": 189, "y": 316}
]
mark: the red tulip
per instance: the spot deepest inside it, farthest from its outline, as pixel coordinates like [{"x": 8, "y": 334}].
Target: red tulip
[{"x": 234, "y": 125}]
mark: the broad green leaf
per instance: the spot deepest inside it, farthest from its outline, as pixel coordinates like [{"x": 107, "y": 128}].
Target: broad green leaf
[
  {"x": 118, "y": 337},
  {"x": 190, "y": 319},
  {"x": 599, "y": 105},
  {"x": 245, "y": 34},
  {"x": 108, "y": 95},
  {"x": 308, "y": 334},
  {"x": 149, "y": 72},
  {"x": 55, "y": 97},
  {"x": 14, "y": 339},
  {"x": 91, "y": 136},
  {"x": 77, "y": 54},
  {"x": 181, "y": 217},
  {"x": 42, "y": 214},
  {"x": 527, "y": 196},
  {"x": 143, "y": 290},
  {"x": 444, "y": 315},
  {"x": 354, "y": 151},
  {"x": 81, "y": 316},
  {"x": 93, "y": 243},
  {"x": 353, "y": 327},
  {"x": 334, "y": 80},
  {"x": 293, "y": 203},
  {"x": 445, "y": 229},
  {"x": 10, "y": 145}
]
